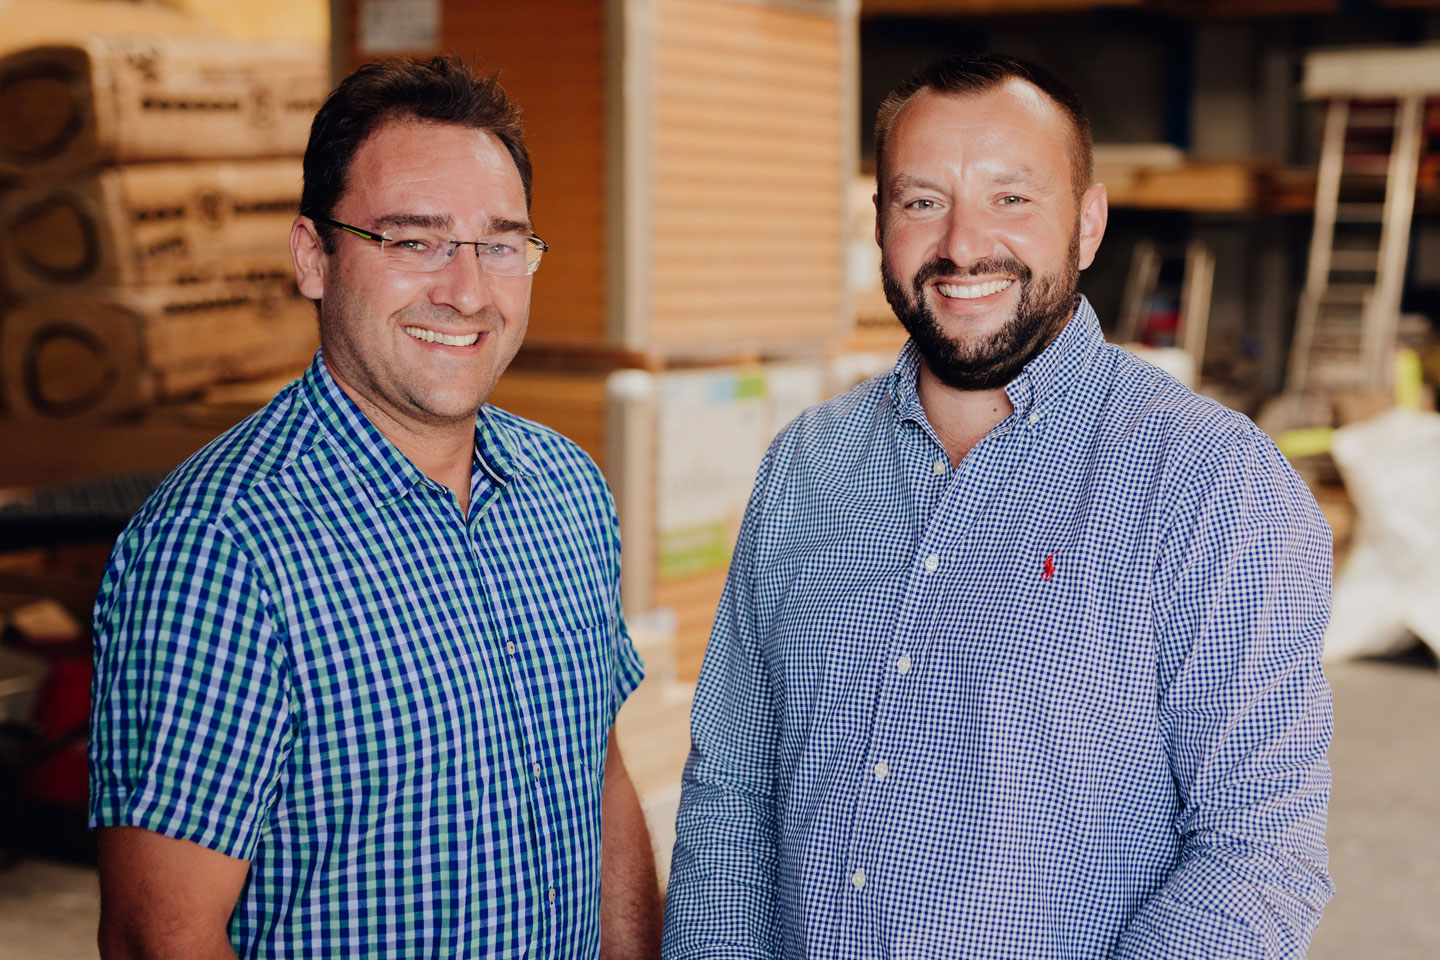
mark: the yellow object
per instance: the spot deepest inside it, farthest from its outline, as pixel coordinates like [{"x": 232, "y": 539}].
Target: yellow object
[
  {"x": 300, "y": 21},
  {"x": 1307, "y": 442},
  {"x": 1409, "y": 380}
]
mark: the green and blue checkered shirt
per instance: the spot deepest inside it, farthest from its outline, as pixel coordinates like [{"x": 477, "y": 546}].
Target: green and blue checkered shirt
[{"x": 307, "y": 658}]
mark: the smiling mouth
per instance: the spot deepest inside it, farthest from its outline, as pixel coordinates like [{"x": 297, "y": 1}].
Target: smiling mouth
[
  {"x": 960, "y": 291},
  {"x": 434, "y": 336}
]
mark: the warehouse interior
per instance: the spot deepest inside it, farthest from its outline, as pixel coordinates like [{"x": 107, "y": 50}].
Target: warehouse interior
[{"x": 704, "y": 172}]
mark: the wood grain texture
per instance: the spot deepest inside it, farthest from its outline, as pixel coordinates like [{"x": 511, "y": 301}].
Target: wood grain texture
[{"x": 748, "y": 163}]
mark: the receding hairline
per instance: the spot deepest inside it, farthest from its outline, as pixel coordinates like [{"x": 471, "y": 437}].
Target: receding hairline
[{"x": 1081, "y": 164}]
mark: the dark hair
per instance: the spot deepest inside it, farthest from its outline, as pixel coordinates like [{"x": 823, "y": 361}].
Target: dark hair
[
  {"x": 440, "y": 90},
  {"x": 973, "y": 73}
]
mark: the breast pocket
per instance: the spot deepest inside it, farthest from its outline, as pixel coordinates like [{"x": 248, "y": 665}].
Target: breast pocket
[{"x": 572, "y": 676}]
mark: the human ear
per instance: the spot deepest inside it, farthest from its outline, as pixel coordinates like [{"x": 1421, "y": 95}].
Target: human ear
[
  {"x": 1094, "y": 214},
  {"x": 311, "y": 260}
]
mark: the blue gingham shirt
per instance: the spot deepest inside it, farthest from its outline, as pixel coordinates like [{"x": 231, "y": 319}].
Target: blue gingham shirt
[
  {"x": 1063, "y": 701},
  {"x": 308, "y": 658}
]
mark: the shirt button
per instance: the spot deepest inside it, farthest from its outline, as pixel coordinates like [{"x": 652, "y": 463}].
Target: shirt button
[
  {"x": 932, "y": 562},
  {"x": 1034, "y": 418},
  {"x": 939, "y": 468},
  {"x": 536, "y": 768},
  {"x": 858, "y": 878},
  {"x": 881, "y": 770},
  {"x": 552, "y": 894},
  {"x": 510, "y": 648},
  {"x": 903, "y": 664}
]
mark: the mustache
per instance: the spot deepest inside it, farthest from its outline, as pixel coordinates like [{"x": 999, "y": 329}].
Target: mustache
[
  {"x": 945, "y": 267},
  {"x": 439, "y": 316}
]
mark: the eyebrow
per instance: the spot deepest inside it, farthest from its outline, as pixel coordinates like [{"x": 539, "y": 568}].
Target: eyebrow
[
  {"x": 434, "y": 221},
  {"x": 1020, "y": 176}
]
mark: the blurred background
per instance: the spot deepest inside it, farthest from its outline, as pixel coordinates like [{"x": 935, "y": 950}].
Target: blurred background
[{"x": 704, "y": 170}]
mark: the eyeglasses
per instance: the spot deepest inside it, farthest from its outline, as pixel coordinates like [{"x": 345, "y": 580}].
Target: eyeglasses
[{"x": 424, "y": 251}]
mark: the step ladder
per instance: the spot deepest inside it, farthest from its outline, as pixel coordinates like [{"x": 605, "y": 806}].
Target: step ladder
[{"x": 1374, "y": 133}]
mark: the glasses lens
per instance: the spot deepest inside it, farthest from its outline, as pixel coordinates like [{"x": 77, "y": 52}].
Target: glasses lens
[{"x": 419, "y": 252}]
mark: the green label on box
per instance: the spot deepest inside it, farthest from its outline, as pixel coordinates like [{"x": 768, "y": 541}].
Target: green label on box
[{"x": 693, "y": 550}]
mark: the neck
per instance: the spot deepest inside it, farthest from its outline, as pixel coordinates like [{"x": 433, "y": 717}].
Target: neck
[
  {"x": 960, "y": 418},
  {"x": 442, "y": 450}
]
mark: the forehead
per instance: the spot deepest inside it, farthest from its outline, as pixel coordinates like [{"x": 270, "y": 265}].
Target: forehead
[
  {"x": 411, "y": 166},
  {"x": 1014, "y": 124}
]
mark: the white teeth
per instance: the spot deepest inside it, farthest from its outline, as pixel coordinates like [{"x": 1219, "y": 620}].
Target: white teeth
[
  {"x": 971, "y": 292},
  {"x": 432, "y": 336}
]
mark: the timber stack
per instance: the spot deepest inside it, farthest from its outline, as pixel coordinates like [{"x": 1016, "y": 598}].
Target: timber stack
[{"x": 149, "y": 182}]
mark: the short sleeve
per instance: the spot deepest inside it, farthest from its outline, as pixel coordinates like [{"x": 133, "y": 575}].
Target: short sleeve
[
  {"x": 629, "y": 667},
  {"x": 191, "y": 715}
]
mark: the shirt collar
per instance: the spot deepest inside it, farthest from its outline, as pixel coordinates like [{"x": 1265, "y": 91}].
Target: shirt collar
[
  {"x": 1043, "y": 379},
  {"x": 388, "y": 472}
]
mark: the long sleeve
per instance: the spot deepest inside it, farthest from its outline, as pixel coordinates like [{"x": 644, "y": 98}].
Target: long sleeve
[
  {"x": 722, "y": 898},
  {"x": 1242, "y": 596}
]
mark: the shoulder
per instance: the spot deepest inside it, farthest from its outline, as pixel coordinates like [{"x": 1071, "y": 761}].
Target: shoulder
[
  {"x": 835, "y": 428},
  {"x": 548, "y": 456},
  {"x": 1143, "y": 407},
  {"x": 1205, "y": 450},
  {"x": 206, "y": 487}
]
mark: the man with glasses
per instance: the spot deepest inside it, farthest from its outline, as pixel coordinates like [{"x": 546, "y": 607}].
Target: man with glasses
[{"x": 357, "y": 662}]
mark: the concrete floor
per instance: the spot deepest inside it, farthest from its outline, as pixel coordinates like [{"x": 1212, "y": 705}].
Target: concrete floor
[{"x": 1384, "y": 836}]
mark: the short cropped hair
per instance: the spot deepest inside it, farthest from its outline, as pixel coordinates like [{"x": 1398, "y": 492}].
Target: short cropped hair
[
  {"x": 967, "y": 74},
  {"x": 437, "y": 90}
]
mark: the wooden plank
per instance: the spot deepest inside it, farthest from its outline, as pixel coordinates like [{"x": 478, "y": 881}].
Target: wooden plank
[
  {"x": 70, "y": 107},
  {"x": 150, "y": 223},
  {"x": 694, "y": 601},
  {"x": 728, "y": 151},
  {"x": 61, "y": 452}
]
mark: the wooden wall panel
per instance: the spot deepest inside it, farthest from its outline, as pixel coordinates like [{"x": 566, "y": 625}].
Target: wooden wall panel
[
  {"x": 747, "y": 202},
  {"x": 554, "y": 66}
]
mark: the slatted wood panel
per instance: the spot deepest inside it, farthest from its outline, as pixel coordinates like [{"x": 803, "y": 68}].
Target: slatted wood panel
[
  {"x": 694, "y": 600},
  {"x": 150, "y": 223},
  {"x": 552, "y": 61},
  {"x": 748, "y": 164}
]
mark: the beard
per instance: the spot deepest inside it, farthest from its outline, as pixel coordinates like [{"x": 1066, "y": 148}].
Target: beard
[{"x": 1045, "y": 306}]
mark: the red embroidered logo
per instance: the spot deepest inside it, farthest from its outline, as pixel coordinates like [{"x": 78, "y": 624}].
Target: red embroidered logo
[{"x": 1049, "y": 568}]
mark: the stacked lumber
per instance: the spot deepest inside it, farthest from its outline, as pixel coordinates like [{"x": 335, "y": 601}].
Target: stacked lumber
[{"x": 143, "y": 233}]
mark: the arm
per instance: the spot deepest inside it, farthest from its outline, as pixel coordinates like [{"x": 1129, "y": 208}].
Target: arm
[
  {"x": 722, "y": 898},
  {"x": 629, "y": 892},
  {"x": 190, "y": 730},
  {"x": 162, "y": 898},
  {"x": 1241, "y": 601}
]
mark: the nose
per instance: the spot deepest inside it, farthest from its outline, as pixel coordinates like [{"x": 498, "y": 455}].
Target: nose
[
  {"x": 461, "y": 284},
  {"x": 965, "y": 238}
]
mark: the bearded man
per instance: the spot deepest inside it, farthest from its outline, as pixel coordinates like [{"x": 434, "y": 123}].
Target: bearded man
[{"x": 1018, "y": 656}]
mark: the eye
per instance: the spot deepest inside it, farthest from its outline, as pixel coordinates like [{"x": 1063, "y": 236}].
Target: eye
[
  {"x": 410, "y": 244},
  {"x": 923, "y": 203},
  {"x": 502, "y": 247},
  {"x": 1010, "y": 200}
]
